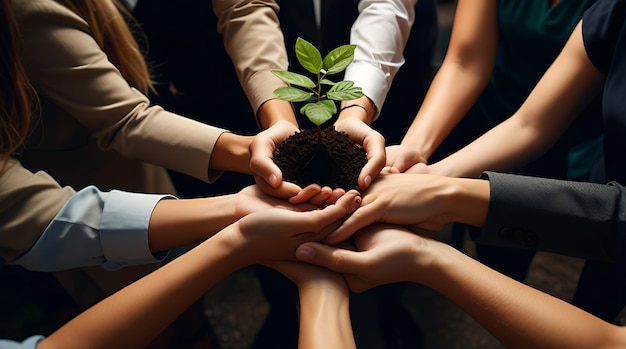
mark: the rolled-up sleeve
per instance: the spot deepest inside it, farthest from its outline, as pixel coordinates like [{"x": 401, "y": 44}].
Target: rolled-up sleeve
[{"x": 96, "y": 228}]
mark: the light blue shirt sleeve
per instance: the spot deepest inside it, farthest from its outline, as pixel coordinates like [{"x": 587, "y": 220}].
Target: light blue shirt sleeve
[
  {"x": 96, "y": 228},
  {"x": 29, "y": 343}
]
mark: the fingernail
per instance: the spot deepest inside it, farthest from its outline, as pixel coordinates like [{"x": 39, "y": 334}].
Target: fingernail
[
  {"x": 305, "y": 253},
  {"x": 368, "y": 180},
  {"x": 358, "y": 200},
  {"x": 273, "y": 179}
]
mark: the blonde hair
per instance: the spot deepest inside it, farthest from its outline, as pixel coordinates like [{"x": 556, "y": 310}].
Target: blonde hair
[
  {"x": 17, "y": 97},
  {"x": 107, "y": 22}
]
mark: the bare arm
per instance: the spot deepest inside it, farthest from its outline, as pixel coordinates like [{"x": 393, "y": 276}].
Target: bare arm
[
  {"x": 324, "y": 306},
  {"x": 518, "y": 315},
  {"x": 132, "y": 317},
  {"x": 463, "y": 75},
  {"x": 564, "y": 90}
]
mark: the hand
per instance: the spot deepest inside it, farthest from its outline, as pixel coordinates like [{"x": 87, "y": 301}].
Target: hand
[
  {"x": 266, "y": 173},
  {"x": 373, "y": 143},
  {"x": 404, "y": 199},
  {"x": 404, "y": 159},
  {"x": 274, "y": 233},
  {"x": 384, "y": 254}
]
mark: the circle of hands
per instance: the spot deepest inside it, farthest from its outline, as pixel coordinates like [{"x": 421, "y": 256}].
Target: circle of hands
[{"x": 360, "y": 243}]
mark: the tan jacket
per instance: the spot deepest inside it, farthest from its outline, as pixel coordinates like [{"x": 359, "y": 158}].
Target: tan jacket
[{"x": 95, "y": 128}]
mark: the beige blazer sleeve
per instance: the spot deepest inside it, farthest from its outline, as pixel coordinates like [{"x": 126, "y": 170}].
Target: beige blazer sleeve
[
  {"x": 254, "y": 41},
  {"x": 91, "y": 100},
  {"x": 28, "y": 203}
]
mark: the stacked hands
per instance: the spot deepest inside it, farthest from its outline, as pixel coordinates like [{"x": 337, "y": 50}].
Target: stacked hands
[{"x": 391, "y": 223}]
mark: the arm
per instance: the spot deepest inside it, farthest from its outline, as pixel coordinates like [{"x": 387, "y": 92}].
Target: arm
[
  {"x": 584, "y": 220},
  {"x": 564, "y": 90},
  {"x": 132, "y": 317},
  {"x": 380, "y": 33},
  {"x": 86, "y": 95},
  {"x": 50, "y": 228},
  {"x": 463, "y": 75},
  {"x": 254, "y": 41},
  {"x": 518, "y": 315},
  {"x": 324, "y": 306}
]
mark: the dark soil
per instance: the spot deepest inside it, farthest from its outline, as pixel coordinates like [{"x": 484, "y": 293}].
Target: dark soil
[{"x": 334, "y": 160}]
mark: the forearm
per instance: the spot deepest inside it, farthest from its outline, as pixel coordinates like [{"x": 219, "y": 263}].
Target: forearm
[
  {"x": 518, "y": 315},
  {"x": 325, "y": 318},
  {"x": 452, "y": 93},
  {"x": 176, "y": 223},
  {"x": 275, "y": 110},
  {"x": 132, "y": 317},
  {"x": 465, "y": 200},
  {"x": 231, "y": 153},
  {"x": 506, "y": 147}
]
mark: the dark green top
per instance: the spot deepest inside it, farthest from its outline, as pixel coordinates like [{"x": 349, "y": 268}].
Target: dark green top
[{"x": 531, "y": 36}]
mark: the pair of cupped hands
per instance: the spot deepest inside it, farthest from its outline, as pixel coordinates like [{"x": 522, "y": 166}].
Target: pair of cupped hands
[{"x": 354, "y": 239}]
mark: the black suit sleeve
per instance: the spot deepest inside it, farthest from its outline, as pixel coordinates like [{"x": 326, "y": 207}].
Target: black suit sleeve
[{"x": 577, "y": 219}]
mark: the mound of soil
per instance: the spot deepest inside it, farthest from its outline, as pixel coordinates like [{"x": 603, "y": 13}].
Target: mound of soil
[{"x": 334, "y": 160}]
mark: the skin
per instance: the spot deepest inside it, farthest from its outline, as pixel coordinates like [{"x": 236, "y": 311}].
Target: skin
[
  {"x": 565, "y": 89},
  {"x": 279, "y": 117},
  {"x": 518, "y": 315},
  {"x": 464, "y": 73},
  {"x": 426, "y": 202},
  {"x": 324, "y": 305},
  {"x": 132, "y": 317}
]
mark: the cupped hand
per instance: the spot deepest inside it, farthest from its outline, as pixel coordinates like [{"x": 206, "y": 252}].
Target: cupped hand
[
  {"x": 404, "y": 199},
  {"x": 401, "y": 159},
  {"x": 373, "y": 143},
  {"x": 274, "y": 233},
  {"x": 383, "y": 254},
  {"x": 266, "y": 173}
]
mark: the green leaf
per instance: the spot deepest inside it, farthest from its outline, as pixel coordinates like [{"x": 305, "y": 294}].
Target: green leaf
[
  {"x": 339, "y": 59},
  {"x": 326, "y": 82},
  {"x": 292, "y": 94},
  {"x": 344, "y": 90},
  {"x": 294, "y": 78},
  {"x": 319, "y": 112},
  {"x": 308, "y": 56}
]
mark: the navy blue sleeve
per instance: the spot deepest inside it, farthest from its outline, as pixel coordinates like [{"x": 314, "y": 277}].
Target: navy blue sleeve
[{"x": 602, "y": 25}]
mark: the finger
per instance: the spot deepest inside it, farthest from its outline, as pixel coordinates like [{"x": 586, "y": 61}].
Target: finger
[
  {"x": 361, "y": 218},
  {"x": 262, "y": 165},
  {"x": 333, "y": 215},
  {"x": 336, "y": 259},
  {"x": 305, "y": 195},
  {"x": 284, "y": 191},
  {"x": 335, "y": 195},
  {"x": 321, "y": 197},
  {"x": 376, "y": 159}
]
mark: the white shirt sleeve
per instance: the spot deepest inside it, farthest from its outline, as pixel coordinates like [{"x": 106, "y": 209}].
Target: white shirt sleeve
[
  {"x": 380, "y": 32},
  {"x": 96, "y": 228}
]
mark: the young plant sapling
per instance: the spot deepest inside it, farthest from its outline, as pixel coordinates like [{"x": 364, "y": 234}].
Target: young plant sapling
[{"x": 325, "y": 156}]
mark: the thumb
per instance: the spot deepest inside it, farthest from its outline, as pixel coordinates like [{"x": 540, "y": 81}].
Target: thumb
[{"x": 337, "y": 259}]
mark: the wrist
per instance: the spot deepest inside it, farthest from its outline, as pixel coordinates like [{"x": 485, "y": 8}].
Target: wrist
[
  {"x": 468, "y": 201},
  {"x": 275, "y": 110},
  {"x": 362, "y": 109},
  {"x": 231, "y": 153}
]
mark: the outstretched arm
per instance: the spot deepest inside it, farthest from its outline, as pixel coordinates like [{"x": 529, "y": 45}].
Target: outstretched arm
[
  {"x": 324, "y": 306},
  {"x": 464, "y": 73},
  {"x": 564, "y": 90},
  {"x": 518, "y": 315},
  {"x": 132, "y": 317}
]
